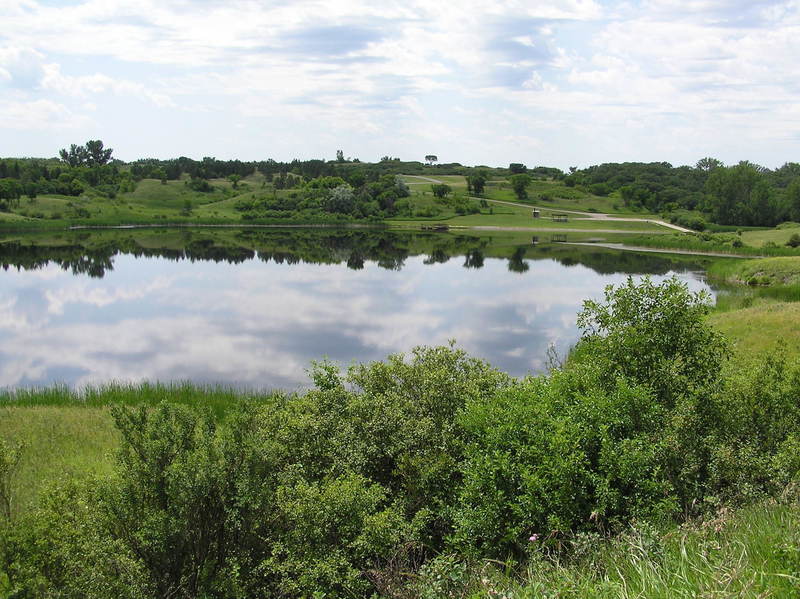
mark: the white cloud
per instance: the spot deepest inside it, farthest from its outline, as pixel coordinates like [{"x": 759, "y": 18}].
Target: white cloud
[
  {"x": 37, "y": 115},
  {"x": 312, "y": 74}
]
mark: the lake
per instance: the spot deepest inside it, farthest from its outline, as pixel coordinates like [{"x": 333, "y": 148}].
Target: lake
[{"x": 253, "y": 308}]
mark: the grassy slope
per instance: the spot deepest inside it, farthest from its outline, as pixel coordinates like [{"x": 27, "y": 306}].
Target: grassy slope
[
  {"x": 757, "y": 319},
  {"x": 770, "y": 271},
  {"x": 779, "y": 235},
  {"x": 154, "y": 202},
  {"x": 59, "y": 441},
  {"x": 754, "y": 552},
  {"x": 761, "y": 328}
]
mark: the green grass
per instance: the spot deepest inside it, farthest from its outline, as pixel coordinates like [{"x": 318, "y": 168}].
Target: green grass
[
  {"x": 722, "y": 243},
  {"x": 154, "y": 202},
  {"x": 751, "y": 553},
  {"x": 505, "y": 215},
  {"x": 69, "y": 432},
  {"x": 763, "y": 327},
  {"x": 216, "y": 398},
  {"x": 58, "y": 441},
  {"x": 779, "y": 235},
  {"x": 779, "y": 271}
]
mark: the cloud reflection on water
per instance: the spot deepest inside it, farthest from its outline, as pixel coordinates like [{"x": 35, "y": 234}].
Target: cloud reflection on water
[{"x": 260, "y": 324}]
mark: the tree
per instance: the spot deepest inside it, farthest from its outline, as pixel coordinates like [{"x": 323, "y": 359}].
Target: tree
[
  {"x": 477, "y": 182},
  {"x": 75, "y": 156},
  {"x": 92, "y": 154},
  {"x": 440, "y": 190},
  {"x": 339, "y": 156},
  {"x": 737, "y": 195},
  {"x": 793, "y": 200},
  {"x": 431, "y": 158},
  {"x": 31, "y": 190},
  {"x": 341, "y": 200},
  {"x": 96, "y": 154},
  {"x": 234, "y": 179},
  {"x": 708, "y": 164},
  {"x": 519, "y": 184},
  {"x": 517, "y": 168}
]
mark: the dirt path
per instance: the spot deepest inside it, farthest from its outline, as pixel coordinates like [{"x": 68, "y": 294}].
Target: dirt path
[
  {"x": 579, "y": 214},
  {"x": 592, "y": 215},
  {"x": 544, "y": 229},
  {"x": 424, "y": 179}
]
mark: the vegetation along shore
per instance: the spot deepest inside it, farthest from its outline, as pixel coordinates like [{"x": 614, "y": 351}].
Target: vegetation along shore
[
  {"x": 658, "y": 458},
  {"x": 646, "y": 464}
]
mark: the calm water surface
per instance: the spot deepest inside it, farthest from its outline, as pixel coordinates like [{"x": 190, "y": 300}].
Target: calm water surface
[{"x": 259, "y": 323}]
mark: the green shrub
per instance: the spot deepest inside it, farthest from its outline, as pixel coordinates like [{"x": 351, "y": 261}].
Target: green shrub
[
  {"x": 655, "y": 335},
  {"x": 63, "y": 549}
]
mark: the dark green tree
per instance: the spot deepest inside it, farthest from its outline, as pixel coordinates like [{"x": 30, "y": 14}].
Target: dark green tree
[
  {"x": 96, "y": 154},
  {"x": 708, "y": 164},
  {"x": 477, "y": 182},
  {"x": 520, "y": 184},
  {"x": 75, "y": 156},
  {"x": 440, "y": 190},
  {"x": 793, "y": 200}
]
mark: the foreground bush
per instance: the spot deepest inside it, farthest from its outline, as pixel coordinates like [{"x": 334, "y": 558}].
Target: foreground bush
[{"x": 351, "y": 487}]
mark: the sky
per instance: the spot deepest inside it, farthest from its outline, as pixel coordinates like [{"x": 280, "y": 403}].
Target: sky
[{"x": 556, "y": 83}]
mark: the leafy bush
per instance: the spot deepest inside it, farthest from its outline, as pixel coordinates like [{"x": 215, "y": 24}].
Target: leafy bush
[
  {"x": 348, "y": 488},
  {"x": 63, "y": 549},
  {"x": 654, "y": 334}
]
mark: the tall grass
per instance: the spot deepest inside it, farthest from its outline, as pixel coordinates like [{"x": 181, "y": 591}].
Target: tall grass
[
  {"x": 68, "y": 432},
  {"x": 217, "y": 398},
  {"x": 754, "y": 552}
]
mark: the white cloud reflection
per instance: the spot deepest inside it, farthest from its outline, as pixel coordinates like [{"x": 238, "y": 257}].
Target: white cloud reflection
[{"x": 260, "y": 324}]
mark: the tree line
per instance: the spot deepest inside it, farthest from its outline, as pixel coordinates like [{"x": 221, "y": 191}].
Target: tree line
[{"x": 744, "y": 194}]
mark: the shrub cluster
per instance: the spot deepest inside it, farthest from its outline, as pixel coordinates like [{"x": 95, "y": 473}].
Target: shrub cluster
[{"x": 348, "y": 488}]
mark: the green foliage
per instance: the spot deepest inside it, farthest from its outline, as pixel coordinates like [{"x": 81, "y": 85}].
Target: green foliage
[
  {"x": 92, "y": 154},
  {"x": 199, "y": 184},
  {"x": 520, "y": 184},
  {"x": 167, "y": 506},
  {"x": 654, "y": 334},
  {"x": 63, "y": 549},
  {"x": 348, "y": 488},
  {"x": 441, "y": 190},
  {"x": 477, "y": 183},
  {"x": 9, "y": 462}
]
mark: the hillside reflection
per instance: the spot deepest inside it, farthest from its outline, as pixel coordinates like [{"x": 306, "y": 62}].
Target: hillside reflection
[{"x": 94, "y": 253}]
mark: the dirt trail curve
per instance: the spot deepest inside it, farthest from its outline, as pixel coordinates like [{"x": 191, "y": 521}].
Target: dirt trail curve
[
  {"x": 581, "y": 215},
  {"x": 593, "y": 215},
  {"x": 424, "y": 179}
]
